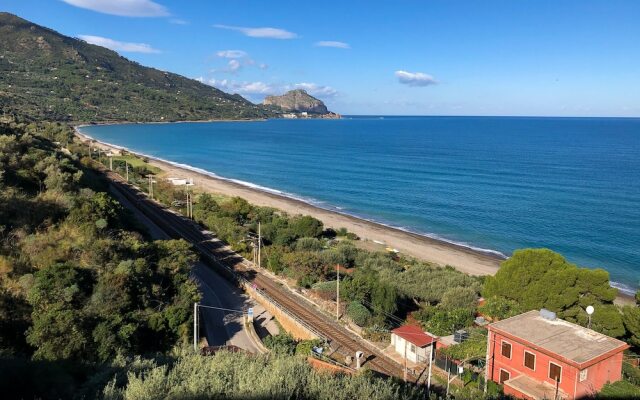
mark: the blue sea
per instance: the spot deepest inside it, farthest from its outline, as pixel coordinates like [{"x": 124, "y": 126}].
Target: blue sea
[{"x": 492, "y": 183}]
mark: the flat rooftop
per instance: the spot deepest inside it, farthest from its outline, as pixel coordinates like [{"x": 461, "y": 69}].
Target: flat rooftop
[{"x": 570, "y": 341}]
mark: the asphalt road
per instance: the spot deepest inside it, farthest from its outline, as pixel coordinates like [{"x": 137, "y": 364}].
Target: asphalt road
[{"x": 218, "y": 326}]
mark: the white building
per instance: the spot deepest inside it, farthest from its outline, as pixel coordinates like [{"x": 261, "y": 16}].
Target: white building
[
  {"x": 413, "y": 343},
  {"x": 181, "y": 181}
]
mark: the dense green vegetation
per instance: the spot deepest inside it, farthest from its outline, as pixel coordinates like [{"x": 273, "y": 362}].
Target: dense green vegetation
[
  {"x": 237, "y": 376},
  {"x": 90, "y": 308},
  {"x": 378, "y": 288},
  {"x": 47, "y": 76},
  {"x": 79, "y": 283},
  {"x": 540, "y": 278}
]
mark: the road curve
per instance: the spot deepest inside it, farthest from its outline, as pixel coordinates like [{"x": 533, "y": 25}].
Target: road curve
[{"x": 220, "y": 327}]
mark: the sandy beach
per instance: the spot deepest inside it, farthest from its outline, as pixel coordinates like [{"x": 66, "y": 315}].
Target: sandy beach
[{"x": 374, "y": 234}]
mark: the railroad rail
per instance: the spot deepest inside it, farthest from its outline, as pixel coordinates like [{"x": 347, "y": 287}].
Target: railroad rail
[{"x": 234, "y": 267}]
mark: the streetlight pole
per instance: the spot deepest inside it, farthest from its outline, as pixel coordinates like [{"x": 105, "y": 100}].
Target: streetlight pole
[{"x": 590, "y": 311}]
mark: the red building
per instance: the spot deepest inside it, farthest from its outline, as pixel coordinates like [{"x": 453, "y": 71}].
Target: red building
[{"x": 537, "y": 356}]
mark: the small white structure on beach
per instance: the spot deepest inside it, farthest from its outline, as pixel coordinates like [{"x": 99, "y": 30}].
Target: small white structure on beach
[
  {"x": 413, "y": 343},
  {"x": 181, "y": 181}
]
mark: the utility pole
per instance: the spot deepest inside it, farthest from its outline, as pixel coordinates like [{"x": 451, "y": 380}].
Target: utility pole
[
  {"x": 486, "y": 367},
  {"x": 259, "y": 246},
  {"x": 188, "y": 207},
  {"x": 430, "y": 363},
  {"x": 151, "y": 186},
  {"x": 338, "y": 292},
  {"x": 195, "y": 326},
  {"x": 448, "y": 376},
  {"x": 110, "y": 162},
  {"x": 126, "y": 167}
]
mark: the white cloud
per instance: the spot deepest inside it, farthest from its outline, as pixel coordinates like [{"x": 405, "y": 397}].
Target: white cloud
[
  {"x": 234, "y": 66},
  {"x": 232, "y": 54},
  {"x": 123, "y": 8},
  {"x": 316, "y": 90},
  {"x": 262, "y": 88},
  {"x": 333, "y": 43},
  {"x": 119, "y": 46},
  {"x": 247, "y": 88},
  {"x": 269, "y": 33},
  {"x": 415, "y": 78}
]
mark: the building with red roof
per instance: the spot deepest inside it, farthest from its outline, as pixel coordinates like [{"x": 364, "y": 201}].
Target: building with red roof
[
  {"x": 536, "y": 355},
  {"x": 412, "y": 343}
]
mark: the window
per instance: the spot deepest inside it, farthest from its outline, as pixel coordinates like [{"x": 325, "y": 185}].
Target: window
[
  {"x": 529, "y": 360},
  {"x": 555, "y": 372},
  {"x": 506, "y": 349},
  {"x": 413, "y": 348},
  {"x": 583, "y": 375},
  {"x": 504, "y": 376}
]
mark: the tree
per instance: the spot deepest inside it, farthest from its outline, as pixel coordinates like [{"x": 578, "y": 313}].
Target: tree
[
  {"x": 500, "y": 308},
  {"x": 308, "y": 244},
  {"x": 540, "y": 278},
  {"x": 58, "y": 330},
  {"x": 444, "y": 322},
  {"x": 631, "y": 318},
  {"x": 459, "y": 297},
  {"x": 306, "y": 226}
]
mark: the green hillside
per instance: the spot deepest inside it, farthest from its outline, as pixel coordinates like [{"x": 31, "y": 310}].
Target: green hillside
[{"x": 48, "y": 76}]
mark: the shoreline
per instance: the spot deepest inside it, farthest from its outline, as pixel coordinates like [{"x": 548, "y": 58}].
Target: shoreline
[{"x": 433, "y": 250}]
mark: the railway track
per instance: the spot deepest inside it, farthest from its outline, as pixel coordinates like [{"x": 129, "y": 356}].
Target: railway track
[{"x": 236, "y": 268}]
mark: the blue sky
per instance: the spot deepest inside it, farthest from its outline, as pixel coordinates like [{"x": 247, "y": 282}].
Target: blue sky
[{"x": 445, "y": 57}]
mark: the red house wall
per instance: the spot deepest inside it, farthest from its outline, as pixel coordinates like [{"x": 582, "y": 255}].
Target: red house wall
[{"x": 607, "y": 370}]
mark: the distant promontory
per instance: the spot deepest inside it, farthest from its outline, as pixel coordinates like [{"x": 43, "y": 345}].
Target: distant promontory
[{"x": 298, "y": 104}]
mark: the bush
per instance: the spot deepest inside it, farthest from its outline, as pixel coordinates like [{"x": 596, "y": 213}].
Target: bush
[
  {"x": 305, "y": 347},
  {"x": 500, "y": 308},
  {"x": 619, "y": 390},
  {"x": 326, "y": 290},
  {"x": 282, "y": 344},
  {"x": 358, "y": 313},
  {"x": 459, "y": 297},
  {"x": 308, "y": 244},
  {"x": 631, "y": 373},
  {"x": 442, "y": 322}
]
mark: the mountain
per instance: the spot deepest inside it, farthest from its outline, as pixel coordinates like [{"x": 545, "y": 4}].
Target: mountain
[
  {"x": 297, "y": 101},
  {"x": 46, "y": 75}
]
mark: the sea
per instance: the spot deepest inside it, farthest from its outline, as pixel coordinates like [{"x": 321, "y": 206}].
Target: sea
[{"x": 494, "y": 184}]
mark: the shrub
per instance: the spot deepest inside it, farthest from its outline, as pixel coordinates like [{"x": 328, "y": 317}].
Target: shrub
[
  {"x": 305, "y": 347},
  {"x": 282, "y": 344},
  {"x": 619, "y": 390},
  {"x": 358, "y": 313},
  {"x": 631, "y": 373},
  {"x": 308, "y": 244}
]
